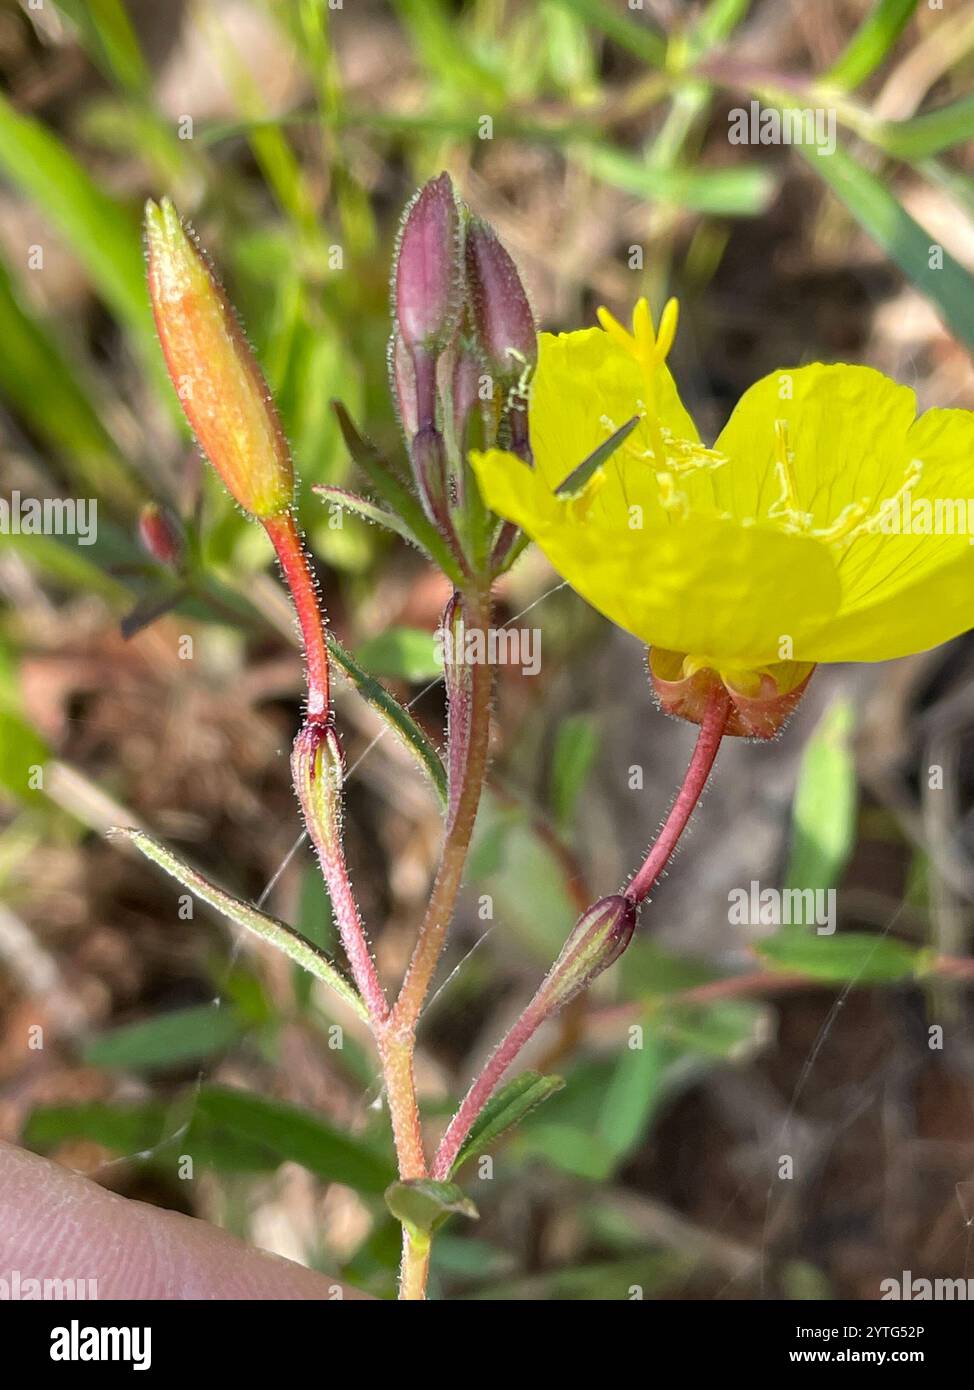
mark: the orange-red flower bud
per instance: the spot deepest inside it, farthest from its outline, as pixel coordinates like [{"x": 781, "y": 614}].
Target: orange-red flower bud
[{"x": 219, "y": 384}]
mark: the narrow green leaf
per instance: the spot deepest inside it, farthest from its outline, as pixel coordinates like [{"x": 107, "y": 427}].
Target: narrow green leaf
[
  {"x": 448, "y": 55},
  {"x": 740, "y": 191},
  {"x": 579, "y": 476},
  {"x": 505, "y": 1109},
  {"x": 849, "y": 957},
  {"x": 22, "y": 753},
  {"x": 870, "y": 44},
  {"x": 576, "y": 744},
  {"x": 406, "y": 653},
  {"x": 279, "y": 934},
  {"x": 43, "y": 388},
  {"x": 296, "y": 1136},
  {"x": 610, "y": 20},
  {"x": 364, "y": 507},
  {"x": 928, "y": 134},
  {"x": 103, "y": 234},
  {"x": 108, "y": 37},
  {"x": 824, "y": 815},
  {"x": 874, "y": 206},
  {"x": 715, "y": 25},
  {"x": 395, "y": 494},
  {"x": 128, "y": 1129},
  {"x": 184, "y": 1035},
  {"x": 396, "y": 715},
  {"x": 423, "y": 1204}
]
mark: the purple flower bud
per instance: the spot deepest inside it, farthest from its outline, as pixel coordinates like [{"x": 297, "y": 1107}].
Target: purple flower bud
[
  {"x": 502, "y": 317},
  {"x": 464, "y": 391},
  {"x": 598, "y": 938},
  {"x": 458, "y": 678},
  {"x": 403, "y": 377},
  {"x": 428, "y": 280},
  {"x": 161, "y": 534},
  {"x": 428, "y": 457}
]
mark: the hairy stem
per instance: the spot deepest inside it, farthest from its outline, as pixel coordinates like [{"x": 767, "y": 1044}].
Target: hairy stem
[
  {"x": 463, "y": 813},
  {"x": 286, "y": 540},
  {"x": 485, "y": 1085},
  {"x": 698, "y": 771},
  {"x": 708, "y": 742},
  {"x": 415, "y": 1265},
  {"x": 396, "y": 1054}
]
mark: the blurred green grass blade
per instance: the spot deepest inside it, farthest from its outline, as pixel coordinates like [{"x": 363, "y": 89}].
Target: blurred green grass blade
[
  {"x": 130, "y": 1129},
  {"x": 930, "y": 133},
  {"x": 40, "y": 384},
  {"x": 847, "y": 957},
  {"x": 743, "y": 191},
  {"x": 22, "y": 751},
  {"x": 507, "y": 1108},
  {"x": 297, "y": 1136},
  {"x": 447, "y": 52},
  {"x": 278, "y": 162},
  {"x": 870, "y": 44},
  {"x": 396, "y": 716},
  {"x": 875, "y": 208},
  {"x": 109, "y": 39},
  {"x": 824, "y": 815},
  {"x": 608, "y": 19},
  {"x": 957, "y": 185},
  {"x": 102, "y": 233},
  {"x": 279, "y": 934},
  {"x": 183, "y": 1035},
  {"x": 715, "y": 25},
  {"x": 576, "y": 744}
]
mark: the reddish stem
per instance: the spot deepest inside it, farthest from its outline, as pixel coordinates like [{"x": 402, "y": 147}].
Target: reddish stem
[
  {"x": 300, "y": 579},
  {"x": 708, "y": 741},
  {"x": 486, "y": 1083}
]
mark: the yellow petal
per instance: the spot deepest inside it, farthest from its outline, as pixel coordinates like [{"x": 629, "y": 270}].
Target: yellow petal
[
  {"x": 728, "y": 593},
  {"x": 846, "y": 431},
  {"x": 585, "y": 386},
  {"x": 904, "y": 593}
]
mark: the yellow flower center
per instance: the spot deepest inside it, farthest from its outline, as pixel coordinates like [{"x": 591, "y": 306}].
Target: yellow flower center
[{"x": 671, "y": 457}]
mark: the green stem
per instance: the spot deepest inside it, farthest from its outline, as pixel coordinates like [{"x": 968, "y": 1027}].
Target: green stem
[{"x": 414, "y": 1270}]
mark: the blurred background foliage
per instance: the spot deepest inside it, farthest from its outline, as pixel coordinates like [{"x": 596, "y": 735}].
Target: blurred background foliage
[{"x": 594, "y": 134}]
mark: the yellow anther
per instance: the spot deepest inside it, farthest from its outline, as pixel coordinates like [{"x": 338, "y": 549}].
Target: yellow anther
[
  {"x": 670, "y": 498},
  {"x": 847, "y": 525},
  {"x": 782, "y": 466}
]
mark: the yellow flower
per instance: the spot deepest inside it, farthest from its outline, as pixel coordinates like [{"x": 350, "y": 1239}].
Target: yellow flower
[{"x": 827, "y": 523}]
